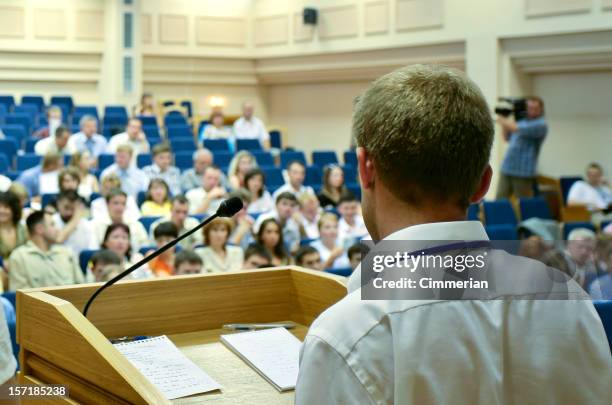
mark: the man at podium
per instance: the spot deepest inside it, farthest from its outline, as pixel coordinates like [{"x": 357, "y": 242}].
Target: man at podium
[{"x": 424, "y": 136}]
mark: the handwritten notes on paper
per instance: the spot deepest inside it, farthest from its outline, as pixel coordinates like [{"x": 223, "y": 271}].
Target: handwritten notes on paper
[
  {"x": 273, "y": 353},
  {"x": 166, "y": 367}
]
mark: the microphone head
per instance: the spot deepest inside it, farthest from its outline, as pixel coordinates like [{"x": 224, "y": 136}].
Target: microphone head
[{"x": 230, "y": 207}]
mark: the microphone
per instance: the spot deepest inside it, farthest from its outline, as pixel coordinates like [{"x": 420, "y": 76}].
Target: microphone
[{"x": 228, "y": 208}]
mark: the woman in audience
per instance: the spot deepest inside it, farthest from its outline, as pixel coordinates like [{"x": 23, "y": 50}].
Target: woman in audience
[
  {"x": 261, "y": 200},
  {"x": 147, "y": 105},
  {"x": 157, "y": 200},
  {"x": 270, "y": 236},
  {"x": 240, "y": 165},
  {"x": 117, "y": 239},
  {"x": 218, "y": 256},
  {"x": 216, "y": 128},
  {"x": 99, "y": 210},
  {"x": 333, "y": 186},
  {"x": 12, "y": 231},
  {"x": 332, "y": 255},
  {"x": 88, "y": 184},
  {"x": 22, "y": 195}
]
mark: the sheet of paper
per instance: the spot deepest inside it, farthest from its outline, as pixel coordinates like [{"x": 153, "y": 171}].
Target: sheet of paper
[
  {"x": 274, "y": 353},
  {"x": 166, "y": 367}
]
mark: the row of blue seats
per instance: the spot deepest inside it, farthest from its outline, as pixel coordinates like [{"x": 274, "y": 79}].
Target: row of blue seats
[
  {"x": 501, "y": 212},
  {"x": 511, "y": 232}
]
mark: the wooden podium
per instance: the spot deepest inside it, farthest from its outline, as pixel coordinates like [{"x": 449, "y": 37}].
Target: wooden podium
[{"x": 60, "y": 346}]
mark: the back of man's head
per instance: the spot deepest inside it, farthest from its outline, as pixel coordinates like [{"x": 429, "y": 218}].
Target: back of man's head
[
  {"x": 34, "y": 219},
  {"x": 429, "y": 133}
]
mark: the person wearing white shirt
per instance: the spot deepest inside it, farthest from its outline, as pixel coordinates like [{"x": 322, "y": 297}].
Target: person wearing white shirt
[
  {"x": 401, "y": 348},
  {"x": 332, "y": 253},
  {"x": 351, "y": 227},
  {"x": 251, "y": 127},
  {"x": 594, "y": 193},
  {"x": 132, "y": 136},
  {"x": 285, "y": 213},
  {"x": 260, "y": 198},
  {"x": 216, "y": 129},
  {"x": 88, "y": 139},
  {"x": 206, "y": 199},
  {"x": 133, "y": 180},
  {"x": 310, "y": 211},
  {"x": 75, "y": 231},
  {"x": 58, "y": 143},
  {"x": 296, "y": 173}
]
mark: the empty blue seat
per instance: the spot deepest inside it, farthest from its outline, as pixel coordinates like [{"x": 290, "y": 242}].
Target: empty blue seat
[
  {"x": 222, "y": 158},
  {"x": 4, "y": 164},
  {"x": 288, "y": 156},
  {"x": 501, "y": 232},
  {"x": 566, "y": 182},
  {"x": 263, "y": 158},
  {"x": 179, "y": 131},
  {"x": 3, "y": 112},
  {"x": 85, "y": 257},
  {"x": 17, "y": 132},
  {"x": 30, "y": 109},
  {"x": 313, "y": 176},
  {"x": 151, "y": 131},
  {"x": 143, "y": 160},
  {"x": 536, "y": 207},
  {"x": 105, "y": 160},
  {"x": 9, "y": 148},
  {"x": 46, "y": 199},
  {"x": 323, "y": 158},
  {"x": 216, "y": 145},
  {"x": 154, "y": 141},
  {"x": 276, "y": 139},
  {"x": 183, "y": 160},
  {"x": 345, "y": 272},
  {"x": 473, "y": 212},
  {"x": 27, "y": 161},
  {"x": 604, "y": 309},
  {"x": 115, "y": 121},
  {"x": 174, "y": 119},
  {"x": 248, "y": 144},
  {"x": 81, "y": 110},
  {"x": 8, "y": 101},
  {"x": 63, "y": 101},
  {"x": 29, "y": 144},
  {"x": 188, "y": 107},
  {"x": 147, "y": 120},
  {"x": 354, "y": 188},
  {"x": 147, "y": 222},
  {"x": 274, "y": 177},
  {"x": 39, "y": 101},
  {"x": 22, "y": 119},
  {"x": 570, "y": 226},
  {"x": 499, "y": 212},
  {"x": 350, "y": 174},
  {"x": 350, "y": 158},
  {"x": 182, "y": 144},
  {"x": 115, "y": 110}
]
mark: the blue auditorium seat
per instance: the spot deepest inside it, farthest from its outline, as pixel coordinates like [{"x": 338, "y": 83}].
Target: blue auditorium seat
[
  {"x": 86, "y": 109},
  {"x": 48, "y": 198},
  {"x": 263, "y": 158},
  {"x": 188, "y": 106},
  {"x": 604, "y": 224},
  {"x": 473, "y": 212},
  {"x": 4, "y": 163},
  {"x": 115, "y": 121},
  {"x": 183, "y": 160},
  {"x": 22, "y": 119},
  {"x": 147, "y": 120},
  {"x": 63, "y": 100},
  {"x": 350, "y": 174},
  {"x": 215, "y": 145},
  {"x": 276, "y": 139},
  {"x": 248, "y": 144},
  {"x": 501, "y": 232},
  {"x": 179, "y": 131},
  {"x": 222, "y": 159},
  {"x": 39, "y": 101},
  {"x": 174, "y": 118},
  {"x": 146, "y": 249},
  {"x": 105, "y": 160},
  {"x": 307, "y": 241},
  {"x": 115, "y": 110},
  {"x": 27, "y": 161},
  {"x": 536, "y": 207},
  {"x": 350, "y": 158},
  {"x": 288, "y": 156},
  {"x": 8, "y": 101},
  {"x": 354, "y": 188},
  {"x": 274, "y": 177},
  {"x": 85, "y": 257},
  {"x": 345, "y": 272},
  {"x": 570, "y": 226},
  {"x": 29, "y": 144},
  {"x": 566, "y": 182},
  {"x": 182, "y": 144},
  {"x": 323, "y": 158},
  {"x": 30, "y": 109},
  {"x": 604, "y": 309},
  {"x": 147, "y": 222},
  {"x": 3, "y": 112},
  {"x": 9, "y": 148},
  {"x": 144, "y": 159},
  {"x": 313, "y": 176},
  {"x": 17, "y": 132},
  {"x": 154, "y": 141},
  {"x": 151, "y": 131},
  {"x": 499, "y": 212}
]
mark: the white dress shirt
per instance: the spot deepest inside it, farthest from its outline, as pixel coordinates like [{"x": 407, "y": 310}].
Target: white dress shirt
[
  {"x": 341, "y": 261},
  {"x": 251, "y": 129},
  {"x": 139, "y": 147},
  {"x": 297, "y": 193},
  {"x": 48, "y": 145},
  {"x": 594, "y": 198},
  {"x": 196, "y": 198},
  {"x": 99, "y": 210},
  {"x": 82, "y": 238},
  {"x": 350, "y": 234},
  {"x": 503, "y": 351}
]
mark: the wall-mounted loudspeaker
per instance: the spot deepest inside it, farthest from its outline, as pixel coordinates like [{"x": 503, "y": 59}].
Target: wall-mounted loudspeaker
[{"x": 310, "y": 16}]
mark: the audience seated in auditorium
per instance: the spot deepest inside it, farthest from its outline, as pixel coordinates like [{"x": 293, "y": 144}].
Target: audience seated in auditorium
[
  {"x": 333, "y": 187},
  {"x": 270, "y": 236},
  {"x": 285, "y": 214},
  {"x": 296, "y": 173},
  {"x": 163, "y": 265},
  {"x": 594, "y": 193},
  {"x": 354, "y": 255},
  {"x": 260, "y": 199},
  {"x": 42, "y": 179},
  {"x": 250, "y": 127},
  {"x": 54, "y": 120},
  {"x": 351, "y": 227},
  {"x": 89, "y": 184},
  {"x": 240, "y": 165},
  {"x": 308, "y": 257},
  {"x": 117, "y": 239},
  {"x": 216, "y": 128},
  {"x": 332, "y": 253},
  {"x": 133, "y": 136},
  {"x": 41, "y": 262},
  {"x": 133, "y": 180},
  {"x": 100, "y": 261},
  {"x": 187, "y": 262},
  {"x": 601, "y": 287},
  {"x": 116, "y": 201},
  {"x": 207, "y": 198},
  {"x": 578, "y": 258},
  {"x": 13, "y": 232},
  {"x": 88, "y": 138},
  {"x": 98, "y": 208},
  {"x": 243, "y": 222},
  {"x": 157, "y": 199},
  {"x": 56, "y": 144},
  {"x": 256, "y": 257},
  {"x": 310, "y": 211},
  {"x": 192, "y": 178},
  {"x": 75, "y": 231},
  {"x": 217, "y": 255},
  {"x": 179, "y": 211},
  {"x": 162, "y": 168},
  {"x": 534, "y": 247}
]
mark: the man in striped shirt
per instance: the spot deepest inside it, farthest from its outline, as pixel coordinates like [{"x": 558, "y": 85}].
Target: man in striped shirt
[{"x": 525, "y": 139}]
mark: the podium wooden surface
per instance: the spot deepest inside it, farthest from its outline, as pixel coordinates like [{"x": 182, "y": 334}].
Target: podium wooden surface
[{"x": 60, "y": 346}]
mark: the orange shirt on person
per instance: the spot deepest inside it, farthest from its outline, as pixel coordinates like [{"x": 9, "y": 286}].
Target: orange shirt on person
[{"x": 161, "y": 268}]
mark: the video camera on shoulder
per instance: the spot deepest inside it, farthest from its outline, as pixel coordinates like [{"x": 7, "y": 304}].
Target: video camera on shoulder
[{"x": 508, "y": 106}]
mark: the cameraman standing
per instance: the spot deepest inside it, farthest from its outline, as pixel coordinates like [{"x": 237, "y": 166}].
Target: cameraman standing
[{"x": 525, "y": 138}]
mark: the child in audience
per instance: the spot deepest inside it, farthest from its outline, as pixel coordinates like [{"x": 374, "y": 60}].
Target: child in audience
[
  {"x": 332, "y": 254},
  {"x": 240, "y": 165},
  {"x": 256, "y": 257},
  {"x": 218, "y": 256},
  {"x": 88, "y": 184},
  {"x": 333, "y": 187},
  {"x": 308, "y": 257},
  {"x": 270, "y": 236},
  {"x": 260, "y": 199},
  {"x": 117, "y": 239},
  {"x": 354, "y": 255},
  {"x": 157, "y": 200},
  {"x": 187, "y": 262},
  {"x": 163, "y": 265},
  {"x": 103, "y": 259},
  {"x": 351, "y": 227}
]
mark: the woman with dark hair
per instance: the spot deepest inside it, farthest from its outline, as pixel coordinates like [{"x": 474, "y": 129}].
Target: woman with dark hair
[
  {"x": 261, "y": 200},
  {"x": 12, "y": 232},
  {"x": 333, "y": 186},
  {"x": 117, "y": 239},
  {"x": 270, "y": 236},
  {"x": 157, "y": 200}
]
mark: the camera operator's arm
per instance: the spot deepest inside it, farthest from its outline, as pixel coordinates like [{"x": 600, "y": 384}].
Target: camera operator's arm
[
  {"x": 534, "y": 129},
  {"x": 508, "y": 125}
]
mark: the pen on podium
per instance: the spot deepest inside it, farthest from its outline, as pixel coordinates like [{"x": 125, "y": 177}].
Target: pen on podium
[{"x": 255, "y": 326}]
